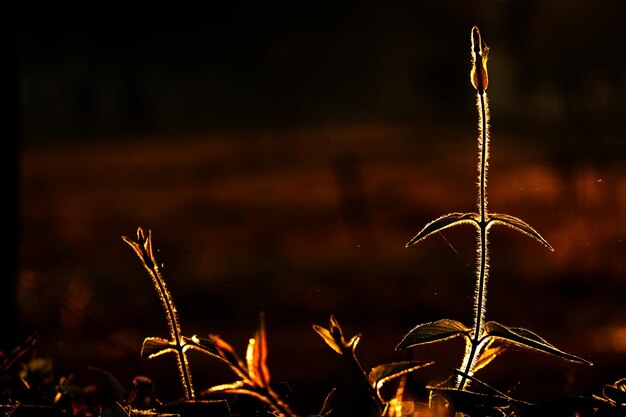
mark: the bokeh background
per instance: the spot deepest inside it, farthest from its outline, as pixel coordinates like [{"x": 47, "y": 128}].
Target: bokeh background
[{"x": 283, "y": 155}]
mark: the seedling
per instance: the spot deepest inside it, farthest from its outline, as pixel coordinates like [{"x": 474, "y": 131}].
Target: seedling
[
  {"x": 178, "y": 344},
  {"x": 253, "y": 373},
  {"x": 480, "y": 338},
  {"x": 350, "y": 398}
]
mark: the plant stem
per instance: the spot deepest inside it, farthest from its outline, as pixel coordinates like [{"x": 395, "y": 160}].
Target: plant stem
[
  {"x": 482, "y": 253},
  {"x": 175, "y": 333},
  {"x": 356, "y": 365}
]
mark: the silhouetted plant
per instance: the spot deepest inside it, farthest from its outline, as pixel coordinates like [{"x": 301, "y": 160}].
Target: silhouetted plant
[
  {"x": 480, "y": 337},
  {"x": 359, "y": 385}
]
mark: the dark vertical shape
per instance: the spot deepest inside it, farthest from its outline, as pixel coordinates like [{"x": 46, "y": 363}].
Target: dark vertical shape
[{"x": 11, "y": 335}]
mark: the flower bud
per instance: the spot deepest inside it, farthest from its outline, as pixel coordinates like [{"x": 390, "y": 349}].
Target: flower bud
[{"x": 478, "y": 75}]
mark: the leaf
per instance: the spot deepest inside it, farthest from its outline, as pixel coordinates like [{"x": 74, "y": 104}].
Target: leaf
[
  {"x": 353, "y": 342},
  {"x": 442, "y": 223},
  {"x": 200, "y": 344},
  {"x": 156, "y": 346},
  {"x": 228, "y": 355},
  {"x": 488, "y": 354},
  {"x": 225, "y": 387},
  {"x": 383, "y": 373},
  {"x": 433, "y": 332},
  {"x": 520, "y": 226},
  {"x": 328, "y": 338},
  {"x": 464, "y": 400},
  {"x": 489, "y": 388},
  {"x": 528, "y": 339},
  {"x": 142, "y": 246},
  {"x": 256, "y": 356},
  {"x": 239, "y": 387},
  {"x": 336, "y": 331}
]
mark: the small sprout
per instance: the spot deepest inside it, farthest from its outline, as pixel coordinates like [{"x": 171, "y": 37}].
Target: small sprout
[
  {"x": 253, "y": 373},
  {"x": 333, "y": 336},
  {"x": 178, "y": 344},
  {"x": 378, "y": 376}
]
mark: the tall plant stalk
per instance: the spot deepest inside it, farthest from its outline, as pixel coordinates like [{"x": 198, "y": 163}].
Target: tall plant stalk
[
  {"x": 482, "y": 333},
  {"x": 480, "y": 80}
]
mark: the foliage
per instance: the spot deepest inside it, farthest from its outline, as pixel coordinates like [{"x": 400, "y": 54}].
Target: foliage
[{"x": 29, "y": 385}]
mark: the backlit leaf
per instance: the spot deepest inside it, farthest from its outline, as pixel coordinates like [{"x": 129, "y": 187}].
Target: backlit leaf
[
  {"x": 488, "y": 354},
  {"x": 328, "y": 338},
  {"x": 225, "y": 387},
  {"x": 442, "y": 223},
  {"x": 228, "y": 354},
  {"x": 464, "y": 400},
  {"x": 433, "y": 332},
  {"x": 156, "y": 346},
  {"x": 200, "y": 344},
  {"x": 527, "y": 339},
  {"x": 354, "y": 341},
  {"x": 256, "y": 356},
  {"x": 335, "y": 330},
  {"x": 520, "y": 226},
  {"x": 388, "y": 371},
  {"x": 239, "y": 387}
]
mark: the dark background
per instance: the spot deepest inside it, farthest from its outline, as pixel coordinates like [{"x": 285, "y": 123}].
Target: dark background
[{"x": 282, "y": 155}]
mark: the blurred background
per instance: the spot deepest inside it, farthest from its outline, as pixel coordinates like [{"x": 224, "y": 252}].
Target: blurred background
[{"x": 282, "y": 156}]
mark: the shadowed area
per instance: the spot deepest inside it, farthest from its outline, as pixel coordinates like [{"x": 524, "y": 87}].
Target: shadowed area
[{"x": 283, "y": 158}]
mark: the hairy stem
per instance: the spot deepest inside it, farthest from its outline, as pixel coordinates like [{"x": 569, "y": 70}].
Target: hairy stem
[
  {"x": 482, "y": 252},
  {"x": 143, "y": 249},
  {"x": 174, "y": 325}
]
